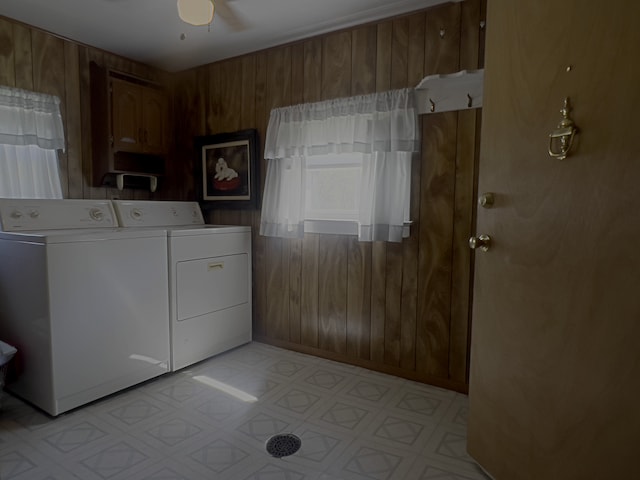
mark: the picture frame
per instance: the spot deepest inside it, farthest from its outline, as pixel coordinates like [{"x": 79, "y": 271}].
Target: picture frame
[{"x": 227, "y": 169}]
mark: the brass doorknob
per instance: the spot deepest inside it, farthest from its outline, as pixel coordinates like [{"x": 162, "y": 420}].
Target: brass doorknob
[
  {"x": 487, "y": 200},
  {"x": 481, "y": 241}
]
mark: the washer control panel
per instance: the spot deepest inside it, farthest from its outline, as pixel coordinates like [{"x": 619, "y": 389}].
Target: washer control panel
[
  {"x": 149, "y": 213},
  {"x": 40, "y": 214}
]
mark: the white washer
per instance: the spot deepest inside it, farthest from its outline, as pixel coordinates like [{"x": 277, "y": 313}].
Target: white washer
[
  {"x": 209, "y": 277},
  {"x": 85, "y": 303}
]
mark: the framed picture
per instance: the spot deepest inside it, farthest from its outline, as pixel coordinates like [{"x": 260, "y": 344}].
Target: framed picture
[{"x": 227, "y": 169}]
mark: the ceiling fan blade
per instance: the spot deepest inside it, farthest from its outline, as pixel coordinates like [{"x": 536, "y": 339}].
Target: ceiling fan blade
[{"x": 230, "y": 16}]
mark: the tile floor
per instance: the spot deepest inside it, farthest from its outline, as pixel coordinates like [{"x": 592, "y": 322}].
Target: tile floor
[{"x": 354, "y": 424}]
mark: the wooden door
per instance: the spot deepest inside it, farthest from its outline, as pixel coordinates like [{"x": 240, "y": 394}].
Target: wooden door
[
  {"x": 154, "y": 120},
  {"x": 555, "y": 361},
  {"x": 126, "y": 116}
]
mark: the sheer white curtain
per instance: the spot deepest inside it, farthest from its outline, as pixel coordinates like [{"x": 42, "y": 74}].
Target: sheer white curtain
[
  {"x": 383, "y": 127},
  {"x": 30, "y": 133}
]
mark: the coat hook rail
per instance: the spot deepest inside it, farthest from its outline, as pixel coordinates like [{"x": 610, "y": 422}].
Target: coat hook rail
[{"x": 455, "y": 91}]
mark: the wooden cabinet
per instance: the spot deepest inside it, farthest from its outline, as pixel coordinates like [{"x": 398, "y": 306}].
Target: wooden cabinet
[
  {"x": 129, "y": 129},
  {"x": 138, "y": 117},
  {"x": 154, "y": 121}
]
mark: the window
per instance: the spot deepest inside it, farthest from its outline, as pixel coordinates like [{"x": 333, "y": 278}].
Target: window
[
  {"x": 30, "y": 133},
  {"x": 342, "y": 166},
  {"x": 332, "y": 187}
]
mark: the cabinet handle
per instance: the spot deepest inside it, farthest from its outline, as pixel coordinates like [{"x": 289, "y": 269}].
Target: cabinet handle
[{"x": 214, "y": 266}]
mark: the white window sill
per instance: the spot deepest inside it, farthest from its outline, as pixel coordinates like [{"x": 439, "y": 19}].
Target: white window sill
[{"x": 340, "y": 227}]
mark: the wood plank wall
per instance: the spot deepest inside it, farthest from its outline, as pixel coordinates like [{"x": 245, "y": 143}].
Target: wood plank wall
[
  {"x": 35, "y": 60},
  {"x": 396, "y": 308}
]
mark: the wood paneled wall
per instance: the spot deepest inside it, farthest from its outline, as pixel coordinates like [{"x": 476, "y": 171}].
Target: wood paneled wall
[
  {"x": 398, "y": 308},
  {"x": 35, "y": 60}
]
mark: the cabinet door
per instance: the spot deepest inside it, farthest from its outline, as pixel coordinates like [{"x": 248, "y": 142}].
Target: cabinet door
[
  {"x": 154, "y": 123},
  {"x": 126, "y": 116}
]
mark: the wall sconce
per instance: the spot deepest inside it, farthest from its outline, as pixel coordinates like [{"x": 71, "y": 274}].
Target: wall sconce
[{"x": 196, "y": 12}]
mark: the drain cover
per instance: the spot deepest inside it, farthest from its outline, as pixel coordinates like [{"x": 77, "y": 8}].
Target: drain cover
[{"x": 283, "y": 445}]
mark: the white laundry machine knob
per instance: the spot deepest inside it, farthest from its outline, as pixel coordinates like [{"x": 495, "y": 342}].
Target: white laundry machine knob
[{"x": 96, "y": 214}]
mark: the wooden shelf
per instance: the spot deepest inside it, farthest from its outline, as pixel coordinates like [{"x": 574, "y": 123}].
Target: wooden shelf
[{"x": 456, "y": 91}]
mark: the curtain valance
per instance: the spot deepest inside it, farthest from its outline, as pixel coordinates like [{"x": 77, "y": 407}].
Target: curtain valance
[
  {"x": 30, "y": 118},
  {"x": 379, "y": 122},
  {"x": 380, "y": 129}
]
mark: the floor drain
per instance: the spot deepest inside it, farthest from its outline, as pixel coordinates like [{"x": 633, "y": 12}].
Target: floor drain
[{"x": 283, "y": 445}]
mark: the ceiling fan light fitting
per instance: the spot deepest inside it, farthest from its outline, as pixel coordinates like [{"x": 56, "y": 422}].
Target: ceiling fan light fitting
[{"x": 196, "y": 12}]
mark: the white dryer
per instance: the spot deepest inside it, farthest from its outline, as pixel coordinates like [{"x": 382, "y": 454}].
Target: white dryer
[
  {"x": 83, "y": 301},
  {"x": 209, "y": 277}
]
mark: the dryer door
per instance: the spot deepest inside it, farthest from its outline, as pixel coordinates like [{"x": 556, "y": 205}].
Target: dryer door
[{"x": 210, "y": 284}]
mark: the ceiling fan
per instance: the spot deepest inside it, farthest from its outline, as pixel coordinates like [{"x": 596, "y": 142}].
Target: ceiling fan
[{"x": 201, "y": 12}]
